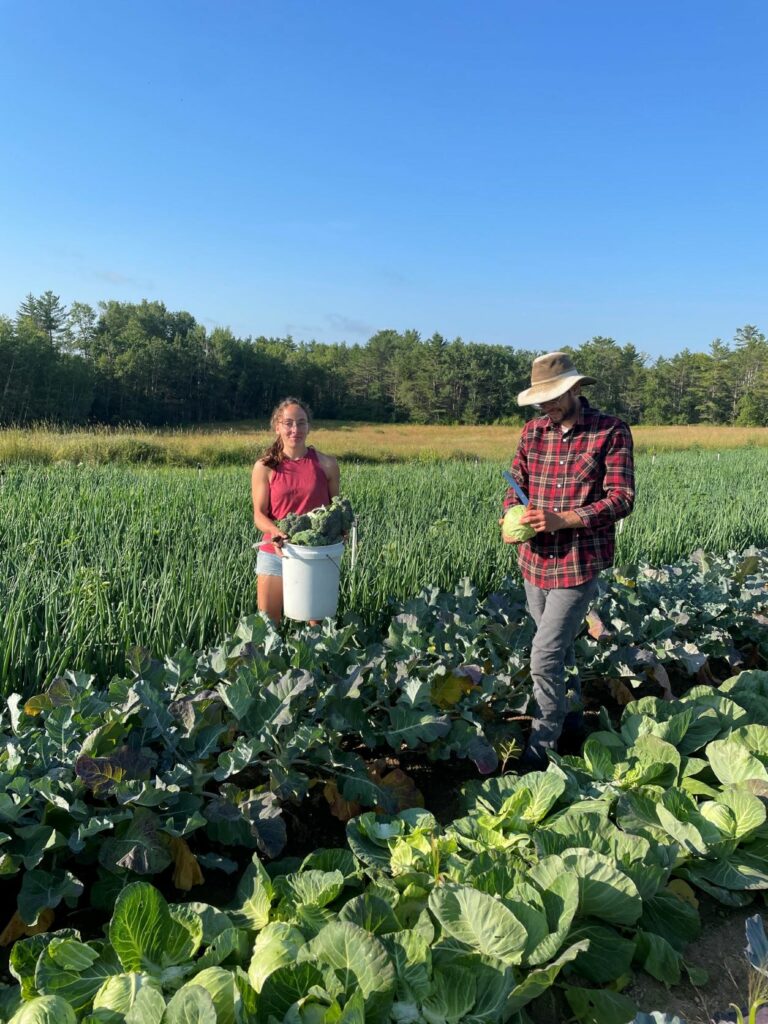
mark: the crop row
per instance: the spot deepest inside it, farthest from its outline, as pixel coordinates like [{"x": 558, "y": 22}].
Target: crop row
[{"x": 95, "y": 559}]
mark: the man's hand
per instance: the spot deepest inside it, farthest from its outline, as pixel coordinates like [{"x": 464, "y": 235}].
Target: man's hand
[{"x": 543, "y": 521}]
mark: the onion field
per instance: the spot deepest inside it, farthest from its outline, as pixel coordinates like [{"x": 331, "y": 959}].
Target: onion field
[{"x": 94, "y": 559}]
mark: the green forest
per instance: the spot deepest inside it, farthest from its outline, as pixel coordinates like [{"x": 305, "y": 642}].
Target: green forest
[{"x": 140, "y": 363}]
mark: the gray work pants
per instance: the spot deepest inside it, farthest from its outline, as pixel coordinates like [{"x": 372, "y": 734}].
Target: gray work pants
[{"x": 558, "y": 615}]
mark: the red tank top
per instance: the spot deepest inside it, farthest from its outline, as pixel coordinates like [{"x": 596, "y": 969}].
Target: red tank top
[{"x": 297, "y": 485}]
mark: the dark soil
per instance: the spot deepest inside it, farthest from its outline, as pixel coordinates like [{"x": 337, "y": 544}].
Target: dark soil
[
  {"x": 311, "y": 826},
  {"x": 720, "y": 951}
]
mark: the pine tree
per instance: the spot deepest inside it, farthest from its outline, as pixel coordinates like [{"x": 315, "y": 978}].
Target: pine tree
[{"x": 46, "y": 311}]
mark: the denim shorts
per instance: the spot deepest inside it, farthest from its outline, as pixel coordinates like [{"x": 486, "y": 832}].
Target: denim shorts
[{"x": 268, "y": 564}]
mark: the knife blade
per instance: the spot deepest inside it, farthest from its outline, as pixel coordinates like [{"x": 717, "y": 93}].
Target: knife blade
[{"x": 516, "y": 487}]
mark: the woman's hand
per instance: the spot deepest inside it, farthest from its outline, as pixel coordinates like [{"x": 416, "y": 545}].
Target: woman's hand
[{"x": 278, "y": 538}]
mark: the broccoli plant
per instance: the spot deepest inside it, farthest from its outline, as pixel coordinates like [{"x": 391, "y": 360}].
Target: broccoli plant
[{"x": 320, "y": 526}]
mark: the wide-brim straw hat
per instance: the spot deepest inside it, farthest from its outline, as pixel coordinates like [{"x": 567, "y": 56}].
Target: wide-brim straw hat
[{"x": 551, "y": 376}]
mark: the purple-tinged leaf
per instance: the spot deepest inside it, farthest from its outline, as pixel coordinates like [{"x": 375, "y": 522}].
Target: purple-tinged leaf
[
  {"x": 757, "y": 944},
  {"x": 484, "y": 756}
]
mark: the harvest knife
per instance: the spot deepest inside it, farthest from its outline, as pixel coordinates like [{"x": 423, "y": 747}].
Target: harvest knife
[{"x": 515, "y": 487}]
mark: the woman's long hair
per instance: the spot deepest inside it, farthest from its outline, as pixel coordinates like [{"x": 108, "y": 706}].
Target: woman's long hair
[{"x": 274, "y": 455}]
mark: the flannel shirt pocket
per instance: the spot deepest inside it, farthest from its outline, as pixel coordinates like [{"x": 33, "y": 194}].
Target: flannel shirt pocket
[{"x": 585, "y": 467}]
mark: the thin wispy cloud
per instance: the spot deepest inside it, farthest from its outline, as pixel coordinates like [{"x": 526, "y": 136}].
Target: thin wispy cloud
[
  {"x": 118, "y": 278},
  {"x": 348, "y": 325},
  {"x": 394, "y": 277}
]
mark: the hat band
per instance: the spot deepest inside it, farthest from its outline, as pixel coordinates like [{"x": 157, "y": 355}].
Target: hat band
[{"x": 552, "y": 380}]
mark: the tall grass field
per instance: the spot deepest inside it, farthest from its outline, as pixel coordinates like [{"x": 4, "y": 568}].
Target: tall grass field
[
  {"x": 241, "y": 443},
  {"x": 96, "y": 558}
]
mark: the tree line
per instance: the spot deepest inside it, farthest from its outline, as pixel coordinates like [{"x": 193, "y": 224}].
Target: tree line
[{"x": 134, "y": 363}]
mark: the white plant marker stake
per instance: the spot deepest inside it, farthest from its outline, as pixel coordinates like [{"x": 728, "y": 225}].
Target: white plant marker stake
[{"x": 353, "y": 551}]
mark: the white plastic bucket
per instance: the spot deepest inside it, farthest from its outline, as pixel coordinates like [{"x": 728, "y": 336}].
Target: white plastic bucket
[{"x": 311, "y": 581}]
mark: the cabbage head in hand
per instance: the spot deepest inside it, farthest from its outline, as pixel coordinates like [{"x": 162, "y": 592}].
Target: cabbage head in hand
[{"x": 512, "y": 530}]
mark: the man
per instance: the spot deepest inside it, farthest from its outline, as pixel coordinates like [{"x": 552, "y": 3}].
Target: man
[{"x": 575, "y": 465}]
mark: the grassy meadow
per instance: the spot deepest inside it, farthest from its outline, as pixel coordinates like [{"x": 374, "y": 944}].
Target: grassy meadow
[
  {"x": 241, "y": 443},
  {"x": 96, "y": 558}
]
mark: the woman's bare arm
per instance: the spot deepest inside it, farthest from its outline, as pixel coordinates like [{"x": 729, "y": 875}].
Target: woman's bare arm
[
  {"x": 330, "y": 467},
  {"x": 260, "y": 494}
]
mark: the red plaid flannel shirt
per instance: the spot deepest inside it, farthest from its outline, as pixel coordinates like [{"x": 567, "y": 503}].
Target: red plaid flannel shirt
[{"x": 587, "y": 470}]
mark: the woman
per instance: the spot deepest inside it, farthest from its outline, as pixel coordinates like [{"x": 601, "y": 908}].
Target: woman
[{"x": 290, "y": 477}]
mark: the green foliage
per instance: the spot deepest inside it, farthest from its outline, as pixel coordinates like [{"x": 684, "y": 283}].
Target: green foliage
[
  {"x": 568, "y": 874},
  {"x": 141, "y": 362},
  {"x": 45, "y": 1010},
  {"x": 550, "y": 879}
]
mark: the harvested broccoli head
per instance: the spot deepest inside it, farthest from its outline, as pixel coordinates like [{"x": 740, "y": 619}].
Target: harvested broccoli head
[
  {"x": 333, "y": 524},
  {"x": 346, "y": 510},
  {"x": 308, "y": 538},
  {"x": 337, "y": 520},
  {"x": 294, "y": 523},
  {"x": 320, "y": 526}
]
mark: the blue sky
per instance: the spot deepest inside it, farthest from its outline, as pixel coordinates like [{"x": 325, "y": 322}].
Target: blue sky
[{"x": 530, "y": 174}]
